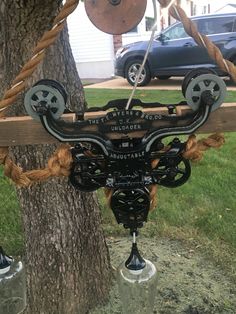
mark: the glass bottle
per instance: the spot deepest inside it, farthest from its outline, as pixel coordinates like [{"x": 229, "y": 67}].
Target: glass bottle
[
  {"x": 12, "y": 285},
  {"x": 137, "y": 282}
]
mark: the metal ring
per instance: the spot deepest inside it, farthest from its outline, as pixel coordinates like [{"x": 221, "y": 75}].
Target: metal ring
[
  {"x": 202, "y": 83},
  {"x": 47, "y": 96}
]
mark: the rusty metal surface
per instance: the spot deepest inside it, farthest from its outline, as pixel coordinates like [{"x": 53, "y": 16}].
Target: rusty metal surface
[{"x": 115, "y": 18}]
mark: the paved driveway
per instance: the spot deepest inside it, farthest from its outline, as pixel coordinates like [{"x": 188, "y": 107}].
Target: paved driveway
[{"x": 170, "y": 84}]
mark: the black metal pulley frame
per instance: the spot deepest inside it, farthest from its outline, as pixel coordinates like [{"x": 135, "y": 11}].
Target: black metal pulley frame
[{"x": 118, "y": 148}]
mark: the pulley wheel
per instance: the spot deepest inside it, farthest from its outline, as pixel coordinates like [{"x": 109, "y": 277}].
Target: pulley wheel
[
  {"x": 54, "y": 84},
  {"x": 203, "y": 83},
  {"x": 195, "y": 73},
  {"x": 115, "y": 16},
  {"x": 130, "y": 201},
  {"x": 87, "y": 176},
  {"x": 50, "y": 95},
  {"x": 175, "y": 172}
]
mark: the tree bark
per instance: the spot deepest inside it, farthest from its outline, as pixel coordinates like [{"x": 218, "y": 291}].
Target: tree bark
[{"x": 67, "y": 261}]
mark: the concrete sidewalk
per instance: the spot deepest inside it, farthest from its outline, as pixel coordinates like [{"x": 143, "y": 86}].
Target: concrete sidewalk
[{"x": 173, "y": 83}]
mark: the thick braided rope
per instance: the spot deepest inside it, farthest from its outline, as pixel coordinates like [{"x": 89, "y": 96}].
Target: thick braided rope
[
  {"x": 60, "y": 162},
  {"x": 58, "y": 165},
  {"x": 214, "y": 52},
  {"x": 47, "y": 39},
  {"x": 195, "y": 148}
]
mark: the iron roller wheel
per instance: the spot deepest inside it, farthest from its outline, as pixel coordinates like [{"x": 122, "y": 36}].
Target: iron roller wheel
[
  {"x": 192, "y": 74},
  {"x": 131, "y": 200},
  {"x": 45, "y": 94},
  {"x": 87, "y": 176},
  {"x": 132, "y": 70},
  {"x": 175, "y": 172},
  {"x": 205, "y": 82},
  {"x": 54, "y": 84}
]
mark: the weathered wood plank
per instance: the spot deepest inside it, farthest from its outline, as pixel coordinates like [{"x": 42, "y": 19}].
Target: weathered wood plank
[{"x": 26, "y": 131}]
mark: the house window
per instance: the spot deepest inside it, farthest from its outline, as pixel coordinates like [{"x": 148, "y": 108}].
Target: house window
[
  {"x": 209, "y": 8},
  {"x": 149, "y": 22},
  {"x": 193, "y": 8}
]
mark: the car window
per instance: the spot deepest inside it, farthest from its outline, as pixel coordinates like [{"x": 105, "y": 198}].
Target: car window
[
  {"x": 216, "y": 25},
  {"x": 176, "y": 32}
]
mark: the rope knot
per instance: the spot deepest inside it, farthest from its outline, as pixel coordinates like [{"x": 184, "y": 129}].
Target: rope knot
[{"x": 194, "y": 149}]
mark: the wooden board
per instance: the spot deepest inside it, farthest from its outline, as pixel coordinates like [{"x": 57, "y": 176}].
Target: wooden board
[{"x": 26, "y": 131}]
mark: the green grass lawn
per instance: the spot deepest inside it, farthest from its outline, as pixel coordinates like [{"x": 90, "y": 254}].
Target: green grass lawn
[
  {"x": 204, "y": 209},
  {"x": 100, "y": 97},
  {"x": 10, "y": 222}
]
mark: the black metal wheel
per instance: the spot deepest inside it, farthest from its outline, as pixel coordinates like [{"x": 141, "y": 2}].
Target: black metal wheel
[
  {"x": 87, "y": 176},
  {"x": 130, "y": 200},
  {"x": 131, "y": 207},
  {"x": 173, "y": 172}
]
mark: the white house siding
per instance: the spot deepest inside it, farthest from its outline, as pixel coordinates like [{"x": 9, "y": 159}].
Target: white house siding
[
  {"x": 92, "y": 49},
  {"x": 216, "y": 6},
  {"x": 222, "y": 6},
  {"x": 227, "y": 9}
]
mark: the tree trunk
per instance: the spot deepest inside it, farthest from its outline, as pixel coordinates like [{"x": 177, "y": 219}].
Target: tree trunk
[{"x": 67, "y": 261}]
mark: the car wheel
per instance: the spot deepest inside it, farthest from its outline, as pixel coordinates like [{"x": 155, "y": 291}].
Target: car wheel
[
  {"x": 192, "y": 74},
  {"x": 132, "y": 70},
  {"x": 163, "y": 77}
]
